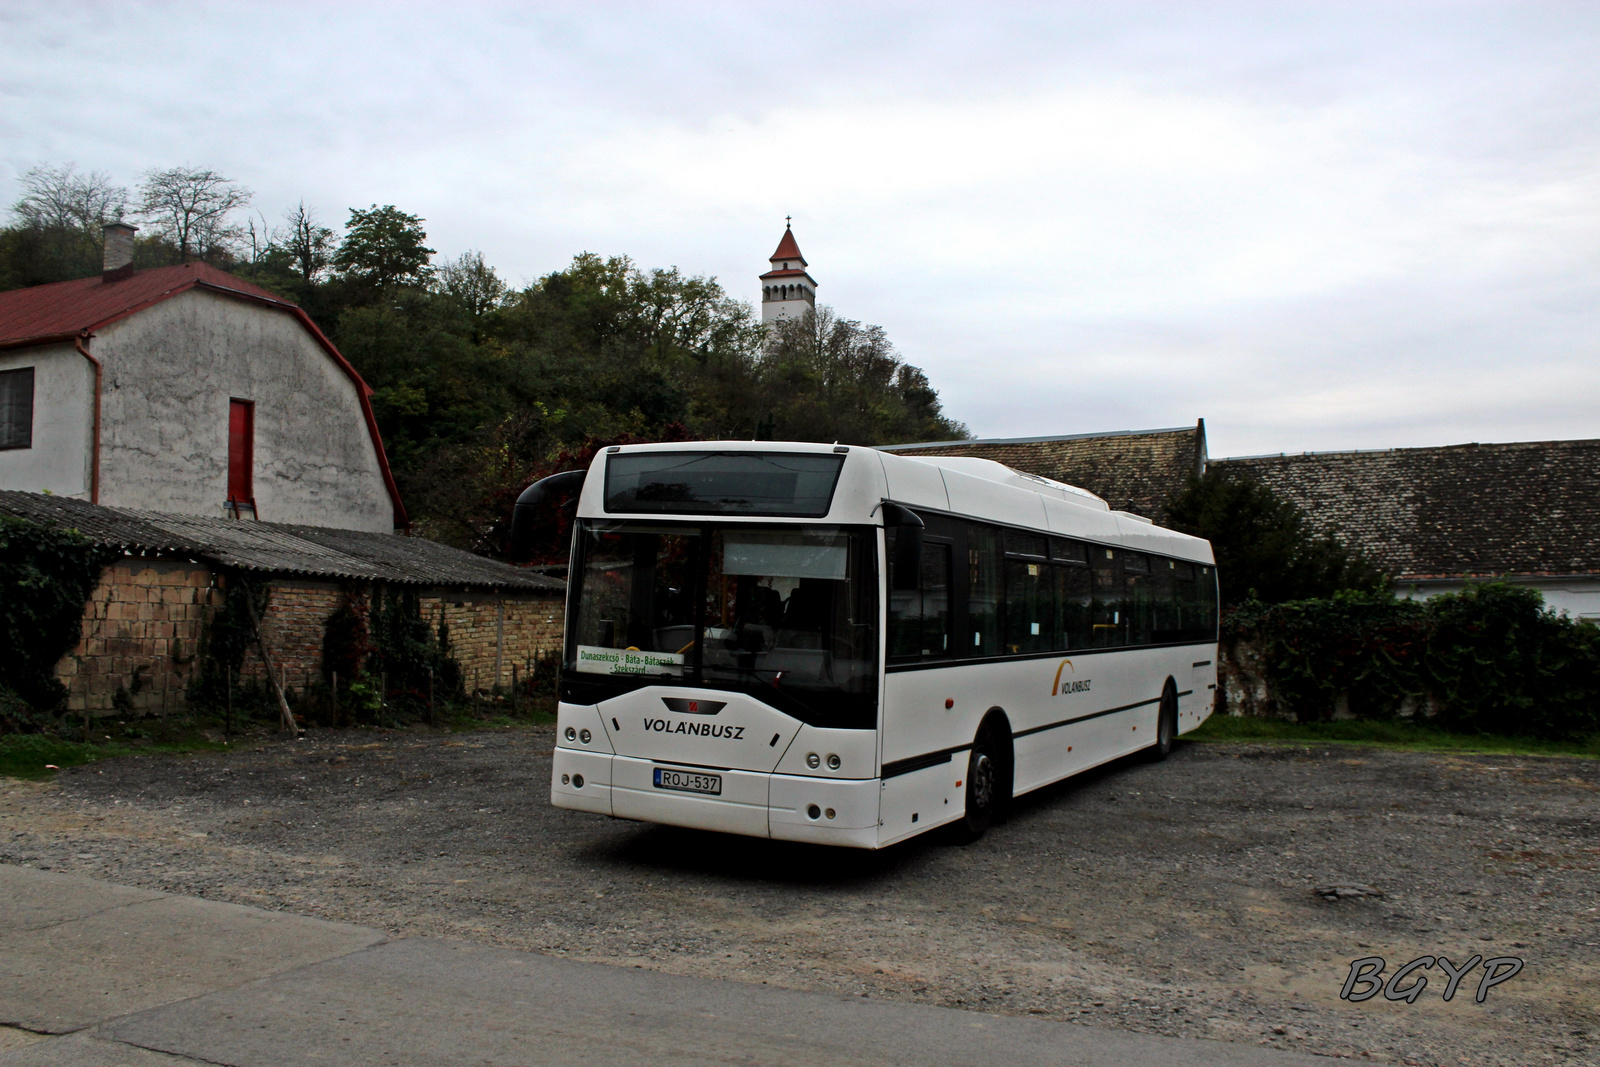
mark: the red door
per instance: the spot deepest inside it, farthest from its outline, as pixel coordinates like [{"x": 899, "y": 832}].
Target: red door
[{"x": 241, "y": 453}]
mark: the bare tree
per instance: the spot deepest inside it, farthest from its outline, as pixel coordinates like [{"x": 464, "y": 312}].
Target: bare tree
[
  {"x": 73, "y": 207},
  {"x": 193, "y": 209},
  {"x": 309, "y": 243},
  {"x": 61, "y": 197},
  {"x": 261, "y": 239}
]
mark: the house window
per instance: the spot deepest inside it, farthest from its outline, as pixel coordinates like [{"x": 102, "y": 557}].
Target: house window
[
  {"x": 241, "y": 454},
  {"x": 16, "y": 408}
]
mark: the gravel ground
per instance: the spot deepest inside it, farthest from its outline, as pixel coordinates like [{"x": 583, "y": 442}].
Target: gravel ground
[{"x": 1174, "y": 898}]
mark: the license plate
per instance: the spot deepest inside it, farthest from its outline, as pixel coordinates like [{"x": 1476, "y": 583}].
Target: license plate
[{"x": 689, "y": 781}]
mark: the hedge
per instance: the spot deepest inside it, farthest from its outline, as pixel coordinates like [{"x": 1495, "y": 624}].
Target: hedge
[{"x": 1488, "y": 659}]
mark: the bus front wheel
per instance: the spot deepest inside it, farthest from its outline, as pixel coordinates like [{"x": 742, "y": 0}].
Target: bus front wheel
[{"x": 987, "y": 783}]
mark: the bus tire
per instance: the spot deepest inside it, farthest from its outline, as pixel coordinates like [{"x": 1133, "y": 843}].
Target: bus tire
[
  {"x": 988, "y": 781},
  {"x": 1166, "y": 724}
]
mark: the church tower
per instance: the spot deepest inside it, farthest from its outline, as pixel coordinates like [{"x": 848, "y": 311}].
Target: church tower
[{"x": 787, "y": 291}]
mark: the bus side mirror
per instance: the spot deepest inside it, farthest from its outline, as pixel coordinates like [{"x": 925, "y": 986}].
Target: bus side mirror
[
  {"x": 905, "y": 566},
  {"x": 534, "y": 499}
]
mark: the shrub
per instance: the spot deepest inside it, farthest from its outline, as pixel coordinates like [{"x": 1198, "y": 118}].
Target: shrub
[
  {"x": 406, "y": 649},
  {"x": 1365, "y": 647},
  {"x": 228, "y": 635},
  {"x": 1498, "y": 662}
]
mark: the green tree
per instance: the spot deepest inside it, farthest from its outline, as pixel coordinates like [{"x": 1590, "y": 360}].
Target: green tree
[
  {"x": 473, "y": 287},
  {"x": 383, "y": 246},
  {"x": 824, "y": 378},
  {"x": 1264, "y": 545}
]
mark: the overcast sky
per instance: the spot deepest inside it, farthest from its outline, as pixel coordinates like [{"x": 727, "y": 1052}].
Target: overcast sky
[{"x": 1317, "y": 227}]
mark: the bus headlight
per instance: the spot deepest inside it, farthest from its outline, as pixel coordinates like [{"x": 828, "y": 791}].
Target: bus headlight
[
  {"x": 813, "y": 760},
  {"x": 572, "y": 735},
  {"x": 584, "y": 736},
  {"x": 833, "y": 762}
]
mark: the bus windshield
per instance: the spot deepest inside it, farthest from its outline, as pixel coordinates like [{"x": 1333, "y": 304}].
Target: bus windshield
[{"x": 785, "y": 613}]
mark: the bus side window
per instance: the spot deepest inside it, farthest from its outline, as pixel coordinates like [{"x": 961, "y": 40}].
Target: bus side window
[
  {"x": 1030, "y": 606},
  {"x": 1206, "y": 581},
  {"x": 1074, "y": 607},
  {"x": 983, "y": 593},
  {"x": 919, "y": 619},
  {"x": 935, "y": 589},
  {"x": 1105, "y": 612},
  {"x": 1180, "y": 610},
  {"x": 1139, "y": 596}
]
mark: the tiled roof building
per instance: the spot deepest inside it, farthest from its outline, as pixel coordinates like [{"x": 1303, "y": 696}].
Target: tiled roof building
[
  {"x": 1436, "y": 517},
  {"x": 1133, "y": 470}
]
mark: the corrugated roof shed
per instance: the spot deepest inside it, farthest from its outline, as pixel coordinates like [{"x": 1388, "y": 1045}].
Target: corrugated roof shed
[
  {"x": 1132, "y": 470},
  {"x": 277, "y": 548},
  {"x": 1477, "y": 510}
]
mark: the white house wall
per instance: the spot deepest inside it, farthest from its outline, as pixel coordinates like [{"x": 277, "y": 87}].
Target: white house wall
[
  {"x": 170, "y": 372},
  {"x": 63, "y": 422},
  {"x": 1577, "y": 597}
]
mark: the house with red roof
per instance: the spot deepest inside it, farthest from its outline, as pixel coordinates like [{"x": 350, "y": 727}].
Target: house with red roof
[{"x": 186, "y": 391}]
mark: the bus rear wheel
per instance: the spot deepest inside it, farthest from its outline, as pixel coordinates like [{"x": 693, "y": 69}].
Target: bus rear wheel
[{"x": 1166, "y": 724}]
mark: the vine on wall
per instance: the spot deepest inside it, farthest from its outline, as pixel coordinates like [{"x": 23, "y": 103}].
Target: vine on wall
[{"x": 47, "y": 575}]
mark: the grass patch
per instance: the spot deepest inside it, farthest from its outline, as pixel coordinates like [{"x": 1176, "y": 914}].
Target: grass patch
[
  {"x": 36, "y": 756},
  {"x": 1398, "y": 735}
]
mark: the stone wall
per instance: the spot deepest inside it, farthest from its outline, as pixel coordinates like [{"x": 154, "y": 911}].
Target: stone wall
[
  {"x": 1242, "y": 683},
  {"x": 141, "y": 628}
]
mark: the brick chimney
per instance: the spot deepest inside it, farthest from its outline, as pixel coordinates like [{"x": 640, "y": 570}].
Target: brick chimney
[{"x": 118, "y": 261}]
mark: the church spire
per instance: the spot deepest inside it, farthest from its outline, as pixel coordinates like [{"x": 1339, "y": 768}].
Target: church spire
[{"x": 787, "y": 291}]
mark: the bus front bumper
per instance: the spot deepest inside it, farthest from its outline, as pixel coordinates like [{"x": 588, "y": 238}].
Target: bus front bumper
[{"x": 825, "y": 811}]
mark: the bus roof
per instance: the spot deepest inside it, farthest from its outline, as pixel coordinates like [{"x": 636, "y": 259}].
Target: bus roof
[{"x": 963, "y": 485}]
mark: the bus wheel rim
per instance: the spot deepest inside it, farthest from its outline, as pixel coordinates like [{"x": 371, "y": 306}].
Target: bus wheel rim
[{"x": 982, "y": 780}]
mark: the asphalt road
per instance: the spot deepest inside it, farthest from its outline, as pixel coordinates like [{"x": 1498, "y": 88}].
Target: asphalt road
[{"x": 131, "y": 977}]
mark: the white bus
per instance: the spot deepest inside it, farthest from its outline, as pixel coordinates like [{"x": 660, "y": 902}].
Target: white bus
[{"x": 845, "y": 646}]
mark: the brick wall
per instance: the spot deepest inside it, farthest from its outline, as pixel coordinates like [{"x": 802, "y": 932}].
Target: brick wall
[
  {"x": 490, "y": 633},
  {"x": 141, "y": 628},
  {"x": 297, "y": 614}
]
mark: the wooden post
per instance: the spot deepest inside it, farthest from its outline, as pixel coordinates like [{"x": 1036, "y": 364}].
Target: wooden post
[
  {"x": 334, "y": 715},
  {"x": 383, "y": 694},
  {"x": 227, "y": 723},
  {"x": 499, "y": 647},
  {"x": 285, "y": 716},
  {"x": 477, "y": 707},
  {"x": 430, "y": 696},
  {"x": 513, "y": 690},
  {"x": 166, "y": 676}
]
